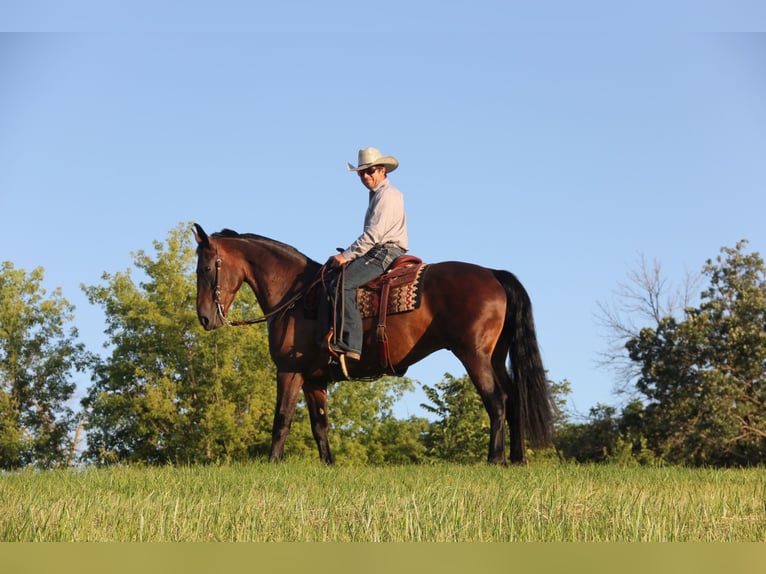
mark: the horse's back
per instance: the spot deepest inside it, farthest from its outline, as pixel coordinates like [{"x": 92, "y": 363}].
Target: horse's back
[
  {"x": 457, "y": 284},
  {"x": 461, "y": 304}
]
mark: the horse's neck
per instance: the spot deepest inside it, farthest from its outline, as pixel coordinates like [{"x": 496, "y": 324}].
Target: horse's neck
[{"x": 272, "y": 275}]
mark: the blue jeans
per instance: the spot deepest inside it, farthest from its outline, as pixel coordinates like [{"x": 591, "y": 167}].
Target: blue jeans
[{"x": 358, "y": 272}]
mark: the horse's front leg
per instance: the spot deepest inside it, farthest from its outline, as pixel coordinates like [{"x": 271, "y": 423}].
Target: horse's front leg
[
  {"x": 288, "y": 388},
  {"x": 316, "y": 400}
]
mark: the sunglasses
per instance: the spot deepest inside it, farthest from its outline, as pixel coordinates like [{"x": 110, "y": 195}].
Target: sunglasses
[{"x": 369, "y": 170}]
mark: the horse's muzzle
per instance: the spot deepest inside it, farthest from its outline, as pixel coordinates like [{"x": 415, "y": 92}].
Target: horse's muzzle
[{"x": 209, "y": 324}]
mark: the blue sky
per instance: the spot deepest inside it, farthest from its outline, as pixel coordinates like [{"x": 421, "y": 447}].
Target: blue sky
[{"x": 560, "y": 141}]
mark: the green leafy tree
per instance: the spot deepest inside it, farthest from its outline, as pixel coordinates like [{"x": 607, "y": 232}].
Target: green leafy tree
[
  {"x": 362, "y": 421},
  {"x": 402, "y": 440},
  {"x": 592, "y": 440},
  {"x": 704, "y": 377},
  {"x": 363, "y": 429},
  {"x": 559, "y": 393},
  {"x": 461, "y": 429},
  {"x": 168, "y": 391},
  {"x": 606, "y": 437},
  {"x": 38, "y": 355}
]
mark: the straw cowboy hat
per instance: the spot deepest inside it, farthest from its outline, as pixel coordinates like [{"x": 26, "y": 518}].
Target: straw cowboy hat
[{"x": 371, "y": 156}]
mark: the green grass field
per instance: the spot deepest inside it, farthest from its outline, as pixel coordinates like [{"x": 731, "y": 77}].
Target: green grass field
[{"x": 302, "y": 501}]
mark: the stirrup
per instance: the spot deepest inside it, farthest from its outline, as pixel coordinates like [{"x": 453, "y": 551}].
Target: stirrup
[
  {"x": 336, "y": 361},
  {"x": 342, "y": 361},
  {"x": 328, "y": 344}
]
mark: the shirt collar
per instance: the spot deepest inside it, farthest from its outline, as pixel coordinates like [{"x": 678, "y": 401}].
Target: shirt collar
[{"x": 382, "y": 185}]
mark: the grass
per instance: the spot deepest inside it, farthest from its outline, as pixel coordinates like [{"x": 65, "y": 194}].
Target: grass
[{"x": 303, "y": 501}]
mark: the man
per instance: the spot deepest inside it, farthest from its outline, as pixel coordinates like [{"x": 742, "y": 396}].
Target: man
[{"x": 383, "y": 239}]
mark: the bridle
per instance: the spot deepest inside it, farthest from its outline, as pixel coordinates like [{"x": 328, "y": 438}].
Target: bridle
[
  {"x": 217, "y": 289},
  {"x": 289, "y": 304}
]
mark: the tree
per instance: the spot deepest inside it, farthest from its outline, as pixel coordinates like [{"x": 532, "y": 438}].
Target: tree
[
  {"x": 704, "y": 377},
  {"x": 461, "y": 429},
  {"x": 170, "y": 392},
  {"x": 606, "y": 437},
  {"x": 361, "y": 419},
  {"x": 646, "y": 297},
  {"x": 590, "y": 441},
  {"x": 38, "y": 355},
  {"x": 402, "y": 440},
  {"x": 559, "y": 393}
]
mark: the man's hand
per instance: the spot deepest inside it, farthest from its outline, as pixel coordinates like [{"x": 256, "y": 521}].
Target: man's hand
[{"x": 336, "y": 261}]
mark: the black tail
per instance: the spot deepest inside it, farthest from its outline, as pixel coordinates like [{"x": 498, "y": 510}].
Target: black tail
[{"x": 529, "y": 382}]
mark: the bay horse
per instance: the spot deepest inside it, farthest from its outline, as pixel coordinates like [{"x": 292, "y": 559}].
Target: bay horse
[{"x": 481, "y": 315}]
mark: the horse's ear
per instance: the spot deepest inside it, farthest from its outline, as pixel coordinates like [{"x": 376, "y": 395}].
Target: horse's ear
[{"x": 200, "y": 235}]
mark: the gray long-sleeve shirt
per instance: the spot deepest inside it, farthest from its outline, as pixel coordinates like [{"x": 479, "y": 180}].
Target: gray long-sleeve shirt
[{"x": 384, "y": 222}]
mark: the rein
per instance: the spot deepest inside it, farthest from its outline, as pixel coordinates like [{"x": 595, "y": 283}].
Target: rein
[{"x": 289, "y": 304}]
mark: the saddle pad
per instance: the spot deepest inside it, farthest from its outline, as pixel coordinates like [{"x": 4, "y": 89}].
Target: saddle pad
[{"x": 404, "y": 295}]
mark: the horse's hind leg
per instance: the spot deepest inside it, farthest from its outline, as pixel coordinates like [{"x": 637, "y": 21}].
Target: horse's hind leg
[
  {"x": 493, "y": 396},
  {"x": 316, "y": 400},
  {"x": 513, "y": 412}
]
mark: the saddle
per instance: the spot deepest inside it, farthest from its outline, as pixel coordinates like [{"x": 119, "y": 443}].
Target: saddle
[{"x": 398, "y": 290}]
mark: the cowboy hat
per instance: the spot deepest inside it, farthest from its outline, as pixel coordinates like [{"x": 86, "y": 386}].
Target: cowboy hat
[{"x": 371, "y": 156}]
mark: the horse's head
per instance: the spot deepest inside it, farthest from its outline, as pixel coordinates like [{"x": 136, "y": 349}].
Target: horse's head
[{"x": 217, "y": 281}]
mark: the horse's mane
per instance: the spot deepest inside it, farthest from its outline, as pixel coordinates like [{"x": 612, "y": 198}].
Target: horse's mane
[{"x": 287, "y": 249}]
